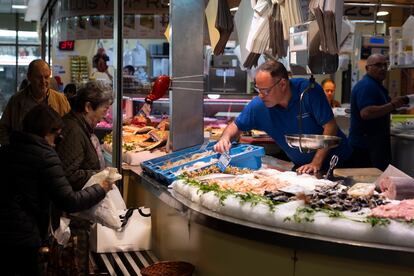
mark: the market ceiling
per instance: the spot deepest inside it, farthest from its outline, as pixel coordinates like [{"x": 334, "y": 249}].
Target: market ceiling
[
  {"x": 235, "y": 3},
  {"x": 6, "y": 5}
]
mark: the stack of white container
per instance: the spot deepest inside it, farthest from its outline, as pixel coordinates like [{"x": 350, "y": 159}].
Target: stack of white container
[{"x": 400, "y": 50}]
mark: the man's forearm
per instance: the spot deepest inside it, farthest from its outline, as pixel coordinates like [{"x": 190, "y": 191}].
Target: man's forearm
[
  {"x": 374, "y": 111},
  {"x": 330, "y": 129},
  {"x": 230, "y": 132}
]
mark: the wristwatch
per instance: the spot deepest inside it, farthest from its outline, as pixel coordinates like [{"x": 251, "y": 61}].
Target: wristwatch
[{"x": 148, "y": 100}]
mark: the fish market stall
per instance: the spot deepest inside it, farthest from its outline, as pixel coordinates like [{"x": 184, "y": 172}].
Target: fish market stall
[{"x": 259, "y": 221}]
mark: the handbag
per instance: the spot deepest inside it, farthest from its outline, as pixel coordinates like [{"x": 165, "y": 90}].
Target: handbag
[{"x": 135, "y": 235}]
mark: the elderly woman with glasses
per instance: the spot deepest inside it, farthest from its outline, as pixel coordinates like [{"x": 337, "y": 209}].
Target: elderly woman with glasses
[
  {"x": 276, "y": 111},
  {"x": 81, "y": 153},
  {"x": 371, "y": 106}
]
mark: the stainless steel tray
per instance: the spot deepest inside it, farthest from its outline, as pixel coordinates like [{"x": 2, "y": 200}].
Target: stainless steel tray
[{"x": 312, "y": 142}]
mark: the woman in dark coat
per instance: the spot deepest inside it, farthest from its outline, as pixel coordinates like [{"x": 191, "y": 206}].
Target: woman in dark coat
[
  {"x": 33, "y": 178},
  {"x": 81, "y": 153}
]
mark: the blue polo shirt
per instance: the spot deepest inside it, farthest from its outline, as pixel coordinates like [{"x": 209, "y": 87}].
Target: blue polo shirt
[
  {"x": 278, "y": 121},
  {"x": 365, "y": 93}
]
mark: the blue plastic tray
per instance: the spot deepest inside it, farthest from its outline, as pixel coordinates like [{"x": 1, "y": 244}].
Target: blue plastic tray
[
  {"x": 242, "y": 156},
  {"x": 154, "y": 165}
]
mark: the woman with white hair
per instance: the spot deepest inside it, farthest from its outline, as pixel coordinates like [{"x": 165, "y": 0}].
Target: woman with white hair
[{"x": 81, "y": 153}]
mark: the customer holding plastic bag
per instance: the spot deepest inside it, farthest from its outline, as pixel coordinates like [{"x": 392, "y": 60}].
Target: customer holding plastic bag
[
  {"x": 33, "y": 177},
  {"x": 81, "y": 153}
]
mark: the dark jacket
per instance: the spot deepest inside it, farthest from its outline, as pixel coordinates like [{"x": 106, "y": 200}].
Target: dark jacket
[
  {"x": 79, "y": 158},
  {"x": 32, "y": 178}
]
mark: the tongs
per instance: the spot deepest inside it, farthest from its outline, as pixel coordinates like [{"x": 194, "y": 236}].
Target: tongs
[{"x": 332, "y": 164}]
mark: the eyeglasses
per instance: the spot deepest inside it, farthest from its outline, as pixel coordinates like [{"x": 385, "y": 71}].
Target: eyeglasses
[
  {"x": 58, "y": 139},
  {"x": 379, "y": 65},
  {"x": 265, "y": 91}
]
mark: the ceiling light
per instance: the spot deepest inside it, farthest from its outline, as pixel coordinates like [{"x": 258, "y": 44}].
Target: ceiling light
[
  {"x": 11, "y": 33},
  {"x": 382, "y": 13},
  {"x": 213, "y": 96},
  {"x": 19, "y": 7},
  {"x": 367, "y": 21}
]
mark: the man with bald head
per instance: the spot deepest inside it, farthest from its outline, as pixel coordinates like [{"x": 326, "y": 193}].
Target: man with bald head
[
  {"x": 37, "y": 92},
  {"x": 371, "y": 106}
]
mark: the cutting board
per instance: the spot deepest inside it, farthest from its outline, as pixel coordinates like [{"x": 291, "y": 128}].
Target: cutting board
[{"x": 368, "y": 175}]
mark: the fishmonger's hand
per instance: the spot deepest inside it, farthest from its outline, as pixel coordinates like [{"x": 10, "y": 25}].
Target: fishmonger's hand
[
  {"x": 399, "y": 102},
  {"x": 309, "y": 168},
  {"x": 223, "y": 145}
]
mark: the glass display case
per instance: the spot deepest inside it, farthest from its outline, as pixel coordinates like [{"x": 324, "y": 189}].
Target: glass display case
[{"x": 223, "y": 108}]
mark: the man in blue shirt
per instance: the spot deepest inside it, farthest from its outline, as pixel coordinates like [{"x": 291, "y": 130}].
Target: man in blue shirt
[
  {"x": 369, "y": 134},
  {"x": 276, "y": 111}
]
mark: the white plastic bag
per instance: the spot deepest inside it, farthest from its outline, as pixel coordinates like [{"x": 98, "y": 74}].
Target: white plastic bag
[
  {"x": 105, "y": 212},
  {"x": 62, "y": 234}
]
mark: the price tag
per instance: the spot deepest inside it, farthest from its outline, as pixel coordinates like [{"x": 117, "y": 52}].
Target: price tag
[
  {"x": 204, "y": 145},
  {"x": 224, "y": 161}
]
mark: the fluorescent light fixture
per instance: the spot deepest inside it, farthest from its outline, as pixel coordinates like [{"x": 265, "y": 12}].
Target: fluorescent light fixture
[
  {"x": 382, "y": 13},
  {"x": 234, "y": 9},
  {"x": 11, "y": 33},
  {"x": 367, "y": 21},
  {"x": 19, "y": 7},
  {"x": 28, "y": 34},
  {"x": 213, "y": 96}
]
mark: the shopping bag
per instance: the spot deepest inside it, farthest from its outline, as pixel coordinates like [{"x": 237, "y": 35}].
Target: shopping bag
[
  {"x": 62, "y": 233},
  {"x": 135, "y": 235},
  {"x": 107, "y": 211}
]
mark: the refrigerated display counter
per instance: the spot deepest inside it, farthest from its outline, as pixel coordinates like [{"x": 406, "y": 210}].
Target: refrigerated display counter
[{"x": 218, "y": 244}]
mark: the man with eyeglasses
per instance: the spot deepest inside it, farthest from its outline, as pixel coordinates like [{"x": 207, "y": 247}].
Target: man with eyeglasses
[
  {"x": 371, "y": 106},
  {"x": 276, "y": 111}
]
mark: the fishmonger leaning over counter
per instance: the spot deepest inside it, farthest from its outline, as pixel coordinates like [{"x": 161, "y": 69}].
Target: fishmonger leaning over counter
[{"x": 276, "y": 110}]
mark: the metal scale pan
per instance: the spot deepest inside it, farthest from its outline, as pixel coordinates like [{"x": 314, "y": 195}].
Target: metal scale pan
[{"x": 310, "y": 142}]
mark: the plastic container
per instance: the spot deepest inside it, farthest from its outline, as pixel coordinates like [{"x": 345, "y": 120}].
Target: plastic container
[
  {"x": 395, "y": 32},
  {"x": 242, "y": 156},
  {"x": 168, "y": 268},
  {"x": 153, "y": 165},
  {"x": 401, "y": 117}
]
